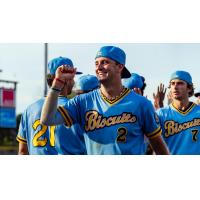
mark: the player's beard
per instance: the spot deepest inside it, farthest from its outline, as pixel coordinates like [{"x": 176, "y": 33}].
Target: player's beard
[
  {"x": 104, "y": 81},
  {"x": 179, "y": 96}
]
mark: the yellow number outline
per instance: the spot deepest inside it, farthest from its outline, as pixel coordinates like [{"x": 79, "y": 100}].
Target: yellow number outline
[
  {"x": 37, "y": 142},
  {"x": 122, "y": 132},
  {"x": 194, "y": 134}
]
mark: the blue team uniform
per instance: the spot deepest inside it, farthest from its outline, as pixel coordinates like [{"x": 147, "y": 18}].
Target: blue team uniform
[
  {"x": 52, "y": 140},
  {"x": 181, "y": 129},
  {"x": 112, "y": 127}
]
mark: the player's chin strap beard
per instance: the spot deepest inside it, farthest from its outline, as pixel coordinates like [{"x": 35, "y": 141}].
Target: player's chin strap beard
[{"x": 111, "y": 98}]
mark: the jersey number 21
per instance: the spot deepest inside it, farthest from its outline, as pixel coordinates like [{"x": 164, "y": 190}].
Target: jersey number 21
[{"x": 37, "y": 141}]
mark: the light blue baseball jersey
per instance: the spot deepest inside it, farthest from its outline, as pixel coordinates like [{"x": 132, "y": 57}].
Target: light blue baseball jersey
[
  {"x": 113, "y": 127},
  {"x": 52, "y": 140},
  {"x": 181, "y": 129}
]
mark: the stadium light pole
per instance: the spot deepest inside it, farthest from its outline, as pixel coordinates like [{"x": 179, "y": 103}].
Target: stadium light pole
[{"x": 45, "y": 67}]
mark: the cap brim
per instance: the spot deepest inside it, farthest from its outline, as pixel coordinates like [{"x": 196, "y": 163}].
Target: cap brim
[
  {"x": 79, "y": 72},
  {"x": 125, "y": 73},
  {"x": 197, "y": 94}
]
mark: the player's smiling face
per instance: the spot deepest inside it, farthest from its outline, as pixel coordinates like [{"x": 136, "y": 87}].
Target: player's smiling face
[
  {"x": 107, "y": 69},
  {"x": 179, "y": 89}
]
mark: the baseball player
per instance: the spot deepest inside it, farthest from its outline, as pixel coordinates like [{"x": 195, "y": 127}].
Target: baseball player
[
  {"x": 86, "y": 83},
  {"x": 135, "y": 82},
  {"x": 114, "y": 118},
  {"x": 36, "y": 138},
  {"x": 180, "y": 121}
]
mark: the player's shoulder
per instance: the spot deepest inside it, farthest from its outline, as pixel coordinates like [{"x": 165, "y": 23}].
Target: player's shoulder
[
  {"x": 139, "y": 98},
  {"x": 196, "y": 107},
  {"x": 62, "y": 100},
  {"x": 86, "y": 96},
  {"x": 36, "y": 104},
  {"x": 164, "y": 110},
  {"x": 168, "y": 107},
  {"x": 133, "y": 94},
  {"x": 34, "y": 107}
]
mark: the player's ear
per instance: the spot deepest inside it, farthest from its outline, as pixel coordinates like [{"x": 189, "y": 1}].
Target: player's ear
[{"x": 121, "y": 67}]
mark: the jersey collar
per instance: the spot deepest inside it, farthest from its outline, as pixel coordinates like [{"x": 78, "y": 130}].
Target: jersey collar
[
  {"x": 187, "y": 110},
  {"x": 114, "y": 101}
]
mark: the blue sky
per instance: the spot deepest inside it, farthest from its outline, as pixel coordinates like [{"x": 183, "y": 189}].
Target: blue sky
[{"x": 155, "y": 61}]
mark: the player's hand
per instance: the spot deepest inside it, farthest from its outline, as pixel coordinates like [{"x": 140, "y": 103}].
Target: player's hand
[
  {"x": 159, "y": 96},
  {"x": 65, "y": 73}
]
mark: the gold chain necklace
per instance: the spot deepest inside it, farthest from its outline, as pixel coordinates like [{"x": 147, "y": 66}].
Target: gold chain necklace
[{"x": 113, "y": 98}]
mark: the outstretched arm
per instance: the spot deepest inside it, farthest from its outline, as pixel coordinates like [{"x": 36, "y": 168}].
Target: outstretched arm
[
  {"x": 64, "y": 75},
  {"x": 49, "y": 109}
]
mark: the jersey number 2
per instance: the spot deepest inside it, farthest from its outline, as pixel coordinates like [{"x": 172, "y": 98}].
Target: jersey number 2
[
  {"x": 122, "y": 132},
  {"x": 37, "y": 142}
]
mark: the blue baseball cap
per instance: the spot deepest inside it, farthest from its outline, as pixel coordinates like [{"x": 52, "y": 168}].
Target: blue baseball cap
[
  {"x": 182, "y": 75},
  {"x": 116, "y": 54},
  {"x": 87, "y": 83},
  {"x": 57, "y": 62},
  {"x": 135, "y": 81}
]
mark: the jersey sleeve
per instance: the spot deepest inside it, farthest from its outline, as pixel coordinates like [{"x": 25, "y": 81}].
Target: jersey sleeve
[
  {"x": 161, "y": 118},
  {"x": 21, "y": 136},
  {"x": 71, "y": 111},
  {"x": 151, "y": 121}
]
